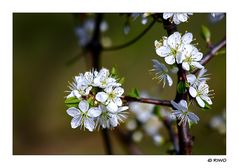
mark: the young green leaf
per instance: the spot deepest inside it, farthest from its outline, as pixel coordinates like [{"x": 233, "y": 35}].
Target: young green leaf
[
  {"x": 181, "y": 88},
  {"x": 134, "y": 93},
  {"x": 206, "y": 34},
  {"x": 72, "y": 102}
]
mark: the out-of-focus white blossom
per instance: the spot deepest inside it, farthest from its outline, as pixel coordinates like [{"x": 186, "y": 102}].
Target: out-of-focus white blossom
[
  {"x": 145, "y": 120},
  {"x": 216, "y": 17},
  {"x": 176, "y": 18},
  {"x": 99, "y": 97},
  {"x": 84, "y": 32},
  {"x": 218, "y": 123}
]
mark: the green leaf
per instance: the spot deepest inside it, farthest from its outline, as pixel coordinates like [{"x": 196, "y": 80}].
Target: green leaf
[
  {"x": 121, "y": 81},
  {"x": 113, "y": 72},
  {"x": 181, "y": 88},
  {"x": 156, "y": 111},
  {"x": 134, "y": 93},
  {"x": 221, "y": 52},
  {"x": 72, "y": 102},
  {"x": 207, "y": 106},
  {"x": 205, "y": 33}
]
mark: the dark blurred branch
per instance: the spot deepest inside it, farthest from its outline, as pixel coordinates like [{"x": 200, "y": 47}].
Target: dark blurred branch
[
  {"x": 173, "y": 136},
  {"x": 214, "y": 49},
  {"x": 147, "y": 100},
  {"x": 121, "y": 46},
  {"x": 184, "y": 137},
  {"x": 94, "y": 48},
  {"x": 125, "y": 139}
]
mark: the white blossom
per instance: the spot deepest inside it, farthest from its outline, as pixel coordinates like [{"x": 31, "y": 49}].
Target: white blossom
[
  {"x": 182, "y": 113},
  {"x": 99, "y": 97},
  {"x": 171, "y": 47},
  {"x": 177, "y": 18},
  {"x": 83, "y": 116},
  {"x": 201, "y": 93},
  {"x": 111, "y": 98},
  {"x": 190, "y": 58},
  {"x": 162, "y": 73},
  {"x": 201, "y": 77}
]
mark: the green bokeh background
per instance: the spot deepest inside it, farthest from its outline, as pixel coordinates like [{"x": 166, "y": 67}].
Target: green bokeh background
[{"x": 42, "y": 46}]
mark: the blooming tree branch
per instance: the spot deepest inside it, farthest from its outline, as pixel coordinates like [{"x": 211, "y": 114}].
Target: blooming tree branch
[
  {"x": 213, "y": 51},
  {"x": 185, "y": 140}
]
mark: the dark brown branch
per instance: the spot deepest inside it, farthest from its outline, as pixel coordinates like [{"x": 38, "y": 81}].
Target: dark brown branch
[
  {"x": 184, "y": 137},
  {"x": 214, "y": 49},
  {"x": 125, "y": 139},
  {"x": 94, "y": 48},
  {"x": 121, "y": 46},
  {"x": 147, "y": 100}
]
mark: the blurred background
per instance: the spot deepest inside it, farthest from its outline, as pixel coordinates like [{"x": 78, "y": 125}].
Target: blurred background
[{"x": 46, "y": 56}]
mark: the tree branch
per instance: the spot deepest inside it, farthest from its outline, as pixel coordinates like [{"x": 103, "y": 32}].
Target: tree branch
[
  {"x": 125, "y": 138},
  {"x": 147, "y": 100},
  {"x": 121, "y": 46},
  {"x": 94, "y": 47},
  {"x": 214, "y": 49},
  {"x": 184, "y": 137}
]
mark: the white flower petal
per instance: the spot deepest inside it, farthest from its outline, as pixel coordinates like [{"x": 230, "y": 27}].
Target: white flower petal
[
  {"x": 192, "y": 91},
  {"x": 112, "y": 107},
  {"x": 197, "y": 56},
  {"x": 186, "y": 66},
  {"x": 89, "y": 124},
  {"x": 167, "y": 15},
  {"x": 84, "y": 106},
  {"x": 202, "y": 72},
  {"x": 123, "y": 108},
  {"x": 75, "y": 122},
  {"x": 184, "y": 105},
  {"x": 183, "y": 17},
  {"x": 101, "y": 97},
  {"x": 94, "y": 112},
  {"x": 191, "y": 78},
  {"x": 193, "y": 117},
  {"x": 118, "y": 101},
  {"x": 169, "y": 80},
  {"x": 73, "y": 112},
  {"x": 174, "y": 40},
  {"x": 179, "y": 58},
  {"x": 163, "y": 51},
  {"x": 200, "y": 102},
  {"x": 170, "y": 60},
  {"x": 113, "y": 121},
  {"x": 76, "y": 93},
  {"x": 207, "y": 99},
  {"x": 197, "y": 65},
  {"x": 176, "y": 105},
  {"x": 118, "y": 91},
  {"x": 187, "y": 38}
]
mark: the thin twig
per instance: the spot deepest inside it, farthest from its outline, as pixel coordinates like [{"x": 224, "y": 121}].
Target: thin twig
[
  {"x": 121, "y": 46},
  {"x": 214, "y": 49},
  {"x": 147, "y": 100}
]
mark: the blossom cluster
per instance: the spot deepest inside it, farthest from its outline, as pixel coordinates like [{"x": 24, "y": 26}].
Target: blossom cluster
[
  {"x": 176, "y": 18},
  {"x": 178, "y": 51},
  {"x": 95, "y": 100}
]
